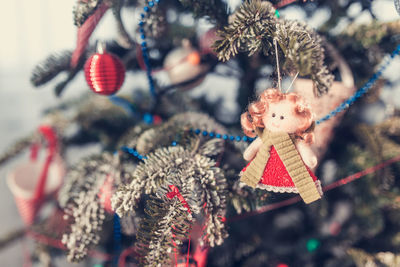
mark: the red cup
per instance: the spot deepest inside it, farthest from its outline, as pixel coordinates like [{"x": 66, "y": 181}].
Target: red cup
[{"x": 23, "y": 181}]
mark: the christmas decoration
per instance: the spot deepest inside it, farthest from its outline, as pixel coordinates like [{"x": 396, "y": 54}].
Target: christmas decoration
[
  {"x": 284, "y": 124},
  {"x": 23, "y": 182},
  {"x": 104, "y": 72},
  {"x": 87, "y": 24},
  {"x": 152, "y": 176},
  {"x": 184, "y": 65},
  {"x": 33, "y": 182}
]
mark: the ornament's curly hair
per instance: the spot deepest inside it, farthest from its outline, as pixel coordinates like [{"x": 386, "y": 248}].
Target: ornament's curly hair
[{"x": 252, "y": 119}]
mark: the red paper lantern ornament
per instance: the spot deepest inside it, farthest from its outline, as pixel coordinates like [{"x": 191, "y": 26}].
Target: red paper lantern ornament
[{"x": 104, "y": 72}]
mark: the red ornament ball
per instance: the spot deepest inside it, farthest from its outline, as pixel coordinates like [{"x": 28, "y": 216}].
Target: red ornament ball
[{"x": 104, "y": 73}]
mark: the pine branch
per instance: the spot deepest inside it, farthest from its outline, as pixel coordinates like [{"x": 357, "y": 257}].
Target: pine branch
[
  {"x": 79, "y": 197},
  {"x": 362, "y": 258},
  {"x": 12, "y": 236},
  {"x": 51, "y": 67},
  {"x": 155, "y": 21},
  {"x": 303, "y": 53},
  {"x": 174, "y": 129},
  {"x": 83, "y": 176},
  {"x": 166, "y": 222},
  {"x": 253, "y": 29},
  {"x": 195, "y": 175},
  {"x": 84, "y": 9},
  {"x": 17, "y": 148},
  {"x": 88, "y": 218},
  {"x": 124, "y": 39},
  {"x": 250, "y": 24},
  {"x": 215, "y": 10},
  {"x": 82, "y": 203}
]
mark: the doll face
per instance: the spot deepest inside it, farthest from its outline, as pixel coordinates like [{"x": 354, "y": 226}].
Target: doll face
[{"x": 280, "y": 117}]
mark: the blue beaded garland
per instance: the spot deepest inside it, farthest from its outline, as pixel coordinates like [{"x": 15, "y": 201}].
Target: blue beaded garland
[
  {"x": 117, "y": 237},
  {"x": 360, "y": 92},
  {"x": 133, "y": 152},
  {"x": 146, "y": 9}
]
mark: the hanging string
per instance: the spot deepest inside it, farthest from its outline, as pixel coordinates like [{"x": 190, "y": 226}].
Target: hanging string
[
  {"x": 294, "y": 79},
  {"x": 277, "y": 64},
  {"x": 329, "y": 187},
  {"x": 174, "y": 243},
  {"x": 188, "y": 253}
]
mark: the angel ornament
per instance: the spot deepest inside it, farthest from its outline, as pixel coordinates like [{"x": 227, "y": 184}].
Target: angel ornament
[{"x": 281, "y": 158}]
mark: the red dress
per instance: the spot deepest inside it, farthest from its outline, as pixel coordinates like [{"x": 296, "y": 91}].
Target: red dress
[{"x": 276, "y": 178}]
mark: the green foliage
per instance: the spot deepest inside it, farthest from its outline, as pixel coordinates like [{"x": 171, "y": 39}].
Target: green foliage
[
  {"x": 82, "y": 203},
  {"x": 250, "y": 30},
  {"x": 254, "y": 27},
  {"x": 362, "y": 258},
  {"x": 195, "y": 175},
  {"x": 368, "y": 35},
  {"x": 17, "y": 148},
  {"x": 176, "y": 129},
  {"x": 215, "y": 10},
  {"x": 166, "y": 222},
  {"x": 84, "y": 9},
  {"x": 51, "y": 67},
  {"x": 79, "y": 197},
  {"x": 303, "y": 52}
]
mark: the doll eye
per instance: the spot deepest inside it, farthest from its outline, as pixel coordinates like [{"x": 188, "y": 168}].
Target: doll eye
[
  {"x": 282, "y": 117},
  {"x": 273, "y": 115}
]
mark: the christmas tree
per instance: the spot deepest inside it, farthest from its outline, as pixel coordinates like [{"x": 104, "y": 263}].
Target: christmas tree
[{"x": 169, "y": 186}]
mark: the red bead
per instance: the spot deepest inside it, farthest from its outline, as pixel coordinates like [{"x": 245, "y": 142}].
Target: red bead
[
  {"x": 104, "y": 73},
  {"x": 282, "y": 265}
]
